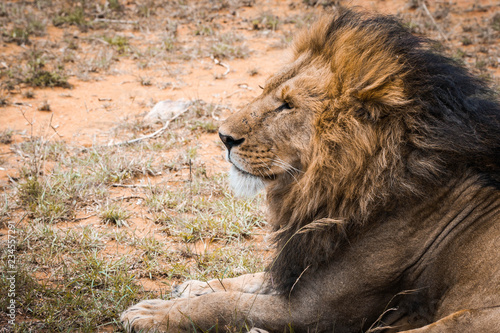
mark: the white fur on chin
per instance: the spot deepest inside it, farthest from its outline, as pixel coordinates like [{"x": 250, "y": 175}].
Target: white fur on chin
[{"x": 245, "y": 185}]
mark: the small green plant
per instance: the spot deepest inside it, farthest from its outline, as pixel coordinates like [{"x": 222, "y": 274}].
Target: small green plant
[
  {"x": 159, "y": 200},
  {"x": 203, "y": 30},
  {"x": 19, "y": 35},
  {"x": 191, "y": 153},
  {"x": 29, "y": 94},
  {"x": 145, "y": 81},
  {"x": 223, "y": 50},
  {"x": 495, "y": 22},
  {"x": 208, "y": 126},
  {"x": 43, "y": 78},
  {"x": 145, "y": 10},
  {"x": 115, "y": 214},
  {"x": 5, "y": 209},
  {"x": 266, "y": 20},
  {"x": 45, "y": 106},
  {"x": 46, "y": 201},
  {"x": 254, "y": 71},
  {"x": 4, "y": 99},
  {"x": 102, "y": 61},
  {"x": 6, "y": 136},
  {"x": 71, "y": 17},
  {"x": 228, "y": 45},
  {"x": 121, "y": 43},
  {"x": 169, "y": 43},
  {"x": 38, "y": 76},
  {"x": 466, "y": 41},
  {"x": 23, "y": 29},
  {"x": 115, "y": 5}
]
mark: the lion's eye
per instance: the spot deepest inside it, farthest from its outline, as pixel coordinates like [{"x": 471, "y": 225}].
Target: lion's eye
[{"x": 286, "y": 106}]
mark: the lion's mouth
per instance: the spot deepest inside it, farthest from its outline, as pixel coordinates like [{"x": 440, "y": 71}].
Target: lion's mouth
[
  {"x": 242, "y": 171},
  {"x": 234, "y": 164},
  {"x": 268, "y": 176}
]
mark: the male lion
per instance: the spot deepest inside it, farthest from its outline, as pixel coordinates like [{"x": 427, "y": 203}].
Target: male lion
[{"x": 381, "y": 162}]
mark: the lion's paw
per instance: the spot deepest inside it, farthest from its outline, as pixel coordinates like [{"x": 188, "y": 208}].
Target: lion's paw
[
  {"x": 191, "y": 288},
  {"x": 147, "y": 316}
]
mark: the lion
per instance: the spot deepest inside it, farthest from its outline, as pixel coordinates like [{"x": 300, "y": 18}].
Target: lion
[{"x": 380, "y": 159}]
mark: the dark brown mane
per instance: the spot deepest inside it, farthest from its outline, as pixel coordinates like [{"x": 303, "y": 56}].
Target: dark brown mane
[{"x": 400, "y": 120}]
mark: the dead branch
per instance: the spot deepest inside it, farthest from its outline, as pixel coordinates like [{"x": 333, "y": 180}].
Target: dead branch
[
  {"x": 115, "y": 21},
  {"x": 220, "y": 63},
  {"x": 152, "y": 135},
  {"x": 130, "y": 186},
  {"x": 83, "y": 218},
  {"x": 424, "y": 7}
]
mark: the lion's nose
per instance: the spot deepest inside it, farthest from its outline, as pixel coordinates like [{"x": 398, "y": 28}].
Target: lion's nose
[{"x": 229, "y": 141}]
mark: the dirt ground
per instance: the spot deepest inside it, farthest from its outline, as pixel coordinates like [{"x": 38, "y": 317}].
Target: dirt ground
[{"x": 115, "y": 62}]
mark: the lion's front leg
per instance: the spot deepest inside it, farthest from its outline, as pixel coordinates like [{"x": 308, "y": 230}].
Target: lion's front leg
[
  {"x": 219, "y": 311},
  {"x": 477, "y": 320},
  {"x": 249, "y": 283}
]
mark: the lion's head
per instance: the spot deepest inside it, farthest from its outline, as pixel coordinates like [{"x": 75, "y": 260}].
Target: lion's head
[{"x": 364, "y": 119}]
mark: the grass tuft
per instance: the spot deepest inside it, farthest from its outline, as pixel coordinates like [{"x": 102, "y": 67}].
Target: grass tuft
[
  {"x": 115, "y": 214},
  {"x": 43, "y": 78},
  {"x": 121, "y": 43},
  {"x": 71, "y": 17}
]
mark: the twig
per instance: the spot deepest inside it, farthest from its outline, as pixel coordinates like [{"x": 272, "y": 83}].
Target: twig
[
  {"x": 115, "y": 21},
  {"x": 234, "y": 92},
  {"x": 213, "y": 112},
  {"x": 424, "y": 7},
  {"x": 53, "y": 128},
  {"x": 152, "y": 135},
  {"x": 128, "y": 198},
  {"x": 84, "y": 217},
  {"x": 19, "y": 152},
  {"x": 129, "y": 186},
  {"x": 220, "y": 63},
  {"x": 22, "y": 104},
  {"x": 99, "y": 40}
]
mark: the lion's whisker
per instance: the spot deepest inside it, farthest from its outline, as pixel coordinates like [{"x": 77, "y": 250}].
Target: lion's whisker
[{"x": 286, "y": 167}]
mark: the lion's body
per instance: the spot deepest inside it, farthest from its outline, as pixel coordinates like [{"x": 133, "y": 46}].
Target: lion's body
[{"x": 381, "y": 162}]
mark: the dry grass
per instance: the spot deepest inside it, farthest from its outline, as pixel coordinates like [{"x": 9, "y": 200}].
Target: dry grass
[{"x": 84, "y": 217}]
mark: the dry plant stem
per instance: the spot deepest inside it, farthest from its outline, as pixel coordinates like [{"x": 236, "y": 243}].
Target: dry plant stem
[
  {"x": 22, "y": 104},
  {"x": 130, "y": 186},
  {"x": 116, "y": 21},
  {"x": 152, "y": 135},
  {"x": 84, "y": 217},
  {"x": 213, "y": 113},
  {"x": 220, "y": 63},
  {"x": 53, "y": 128},
  {"x": 426, "y": 10},
  {"x": 36, "y": 167},
  {"x": 128, "y": 198}
]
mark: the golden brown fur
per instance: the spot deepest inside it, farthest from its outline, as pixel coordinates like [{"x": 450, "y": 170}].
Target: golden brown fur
[{"x": 381, "y": 163}]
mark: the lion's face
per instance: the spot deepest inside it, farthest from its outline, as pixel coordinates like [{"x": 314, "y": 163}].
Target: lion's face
[
  {"x": 271, "y": 137},
  {"x": 328, "y": 115}
]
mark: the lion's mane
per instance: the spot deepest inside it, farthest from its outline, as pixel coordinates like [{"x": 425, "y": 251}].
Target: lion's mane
[{"x": 400, "y": 120}]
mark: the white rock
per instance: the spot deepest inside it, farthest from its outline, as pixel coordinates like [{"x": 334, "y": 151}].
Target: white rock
[{"x": 166, "y": 110}]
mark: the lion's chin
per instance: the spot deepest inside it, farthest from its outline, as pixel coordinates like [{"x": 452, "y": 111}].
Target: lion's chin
[{"x": 245, "y": 184}]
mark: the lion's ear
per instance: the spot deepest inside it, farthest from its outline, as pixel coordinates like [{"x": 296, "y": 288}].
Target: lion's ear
[{"x": 377, "y": 100}]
